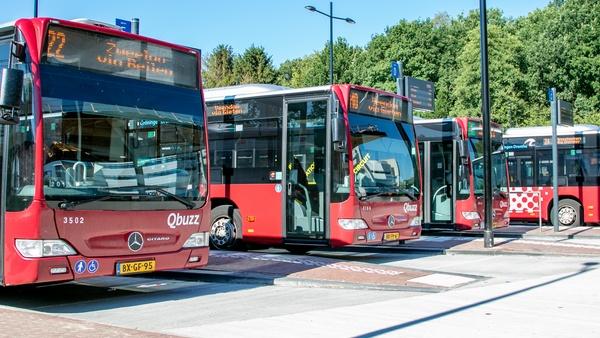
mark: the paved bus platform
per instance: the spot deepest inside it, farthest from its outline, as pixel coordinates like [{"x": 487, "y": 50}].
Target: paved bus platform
[
  {"x": 519, "y": 240},
  {"x": 22, "y": 323}
]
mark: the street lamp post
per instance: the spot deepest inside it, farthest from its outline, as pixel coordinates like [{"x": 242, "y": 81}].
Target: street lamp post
[
  {"x": 488, "y": 234},
  {"x": 331, "y": 17}
]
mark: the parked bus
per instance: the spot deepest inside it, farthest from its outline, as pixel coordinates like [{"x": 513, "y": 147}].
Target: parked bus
[
  {"x": 529, "y": 152},
  {"x": 104, "y": 162},
  {"x": 321, "y": 166},
  {"x": 451, "y": 152}
]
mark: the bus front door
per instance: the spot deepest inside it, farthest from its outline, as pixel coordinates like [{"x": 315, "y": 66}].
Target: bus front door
[
  {"x": 304, "y": 151},
  {"x": 438, "y": 169}
]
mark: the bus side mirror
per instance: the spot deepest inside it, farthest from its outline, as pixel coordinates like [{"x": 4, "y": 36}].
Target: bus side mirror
[
  {"x": 11, "y": 89},
  {"x": 338, "y": 132},
  {"x": 463, "y": 149}
]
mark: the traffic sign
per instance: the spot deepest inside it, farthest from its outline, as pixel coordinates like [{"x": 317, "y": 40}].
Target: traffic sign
[
  {"x": 550, "y": 94},
  {"x": 124, "y": 24},
  {"x": 395, "y": 70}
]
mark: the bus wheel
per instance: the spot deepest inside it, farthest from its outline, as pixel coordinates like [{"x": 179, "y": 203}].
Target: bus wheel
[
  {"x": 226, "y": 228},
  {"x": 569, "y": 212}
]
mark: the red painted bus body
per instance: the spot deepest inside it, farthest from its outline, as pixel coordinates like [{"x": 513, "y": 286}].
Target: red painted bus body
[
  {"x": 95, "y": 181},
  {"x": 452, "y": 162},
  {"x": 529, "y": 152},
  {"x": 321, "y": 166}
]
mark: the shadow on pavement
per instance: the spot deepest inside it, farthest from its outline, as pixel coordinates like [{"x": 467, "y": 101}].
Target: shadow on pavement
[{"x": 586, "y": 268}]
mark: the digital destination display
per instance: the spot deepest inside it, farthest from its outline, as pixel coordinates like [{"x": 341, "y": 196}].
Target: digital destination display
[
  {"x": 377, "y": 104},
  {"x": 227, "y": 109},
  {"x": 475, "y": 129},
  {"x": 87, "y": 50}
]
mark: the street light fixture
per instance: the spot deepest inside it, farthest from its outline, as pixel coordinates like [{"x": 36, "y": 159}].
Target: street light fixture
[{"x": 331, "y": 17}]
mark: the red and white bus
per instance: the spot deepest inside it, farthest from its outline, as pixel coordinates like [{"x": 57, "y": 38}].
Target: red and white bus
[
  {"x": 529, "y": 152},
  {"x": 321, "y": 166},
  {"x": 104, "y": 162},
  {"x": 452, "y": 161}
]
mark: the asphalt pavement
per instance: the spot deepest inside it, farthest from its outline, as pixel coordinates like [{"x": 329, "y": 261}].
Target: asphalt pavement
[{"x": 314, "y": 270}]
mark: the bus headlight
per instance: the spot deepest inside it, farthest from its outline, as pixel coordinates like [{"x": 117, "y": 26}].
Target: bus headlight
[
  {"x": 352, "y": 223},
  {"x": 471, "y": 215},
  {"x": 36, "y": 248},
  {"x": 197, "y": 240},
  {"x": 416, "y": 222}
]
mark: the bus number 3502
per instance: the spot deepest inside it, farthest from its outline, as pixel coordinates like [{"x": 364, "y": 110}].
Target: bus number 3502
[{"x": 73, "y": 220}]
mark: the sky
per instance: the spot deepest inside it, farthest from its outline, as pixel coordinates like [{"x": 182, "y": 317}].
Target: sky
[{"x": 283, "y": 27}]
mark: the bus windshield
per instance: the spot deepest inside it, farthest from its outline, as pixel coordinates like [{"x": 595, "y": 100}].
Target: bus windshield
[
  {"x": 384, "y": 156},
  {"x": 499, "y": 179},
  {"x": 120, "y": 139}
]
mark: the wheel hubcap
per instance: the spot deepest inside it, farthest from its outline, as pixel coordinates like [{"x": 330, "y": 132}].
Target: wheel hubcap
[
  {"x": 222, "y": 232},
  {"x": 567, "y": 215}
]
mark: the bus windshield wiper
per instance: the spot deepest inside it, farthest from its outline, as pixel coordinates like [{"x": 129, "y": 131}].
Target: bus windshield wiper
[
  {"x": 142, "y": 191},
  {"x": 391, "y": 192},
  {"x": 70, "y": 204},
  {"x": 187, "y": 203}
]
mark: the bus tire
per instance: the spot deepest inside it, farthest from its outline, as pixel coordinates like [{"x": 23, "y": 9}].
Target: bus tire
[
  {"x": 226, "y": 228},
  {"x": 569, "y": 213}
]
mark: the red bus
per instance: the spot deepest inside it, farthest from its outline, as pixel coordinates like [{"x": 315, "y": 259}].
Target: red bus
[
  {"x": 530, "y": 170},
  {"x": 452, "y": 161},
  {"x": 321, "y": 166},
  {"x": 104, "y": 161}
]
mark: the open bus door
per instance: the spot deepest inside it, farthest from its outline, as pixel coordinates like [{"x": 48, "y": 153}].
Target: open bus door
[
  {"x": 304, "y": 151},
  {"x": 438, "y": 162}
]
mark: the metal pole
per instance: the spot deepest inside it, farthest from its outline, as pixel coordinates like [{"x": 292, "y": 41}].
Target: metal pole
[
  {"x": 35, "y": 8},
  {"x": 400, "y": 80},
  {"x": 135, "y": 26},
  {"x": 488, "y": 235},
  {"x": 554, "y": 118},
  {"x": 331, "y": 42}
]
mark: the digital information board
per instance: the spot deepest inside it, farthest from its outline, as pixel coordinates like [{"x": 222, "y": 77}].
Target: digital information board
[{"x": 87, "y": 50}]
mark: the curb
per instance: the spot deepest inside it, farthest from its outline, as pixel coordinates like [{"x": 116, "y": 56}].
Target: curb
[
  {"x": 515, "y": 253},
  {"x": 261, "y": 279}
]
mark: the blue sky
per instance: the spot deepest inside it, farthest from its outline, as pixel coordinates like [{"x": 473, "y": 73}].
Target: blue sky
[{"x": 283, "y": 27}]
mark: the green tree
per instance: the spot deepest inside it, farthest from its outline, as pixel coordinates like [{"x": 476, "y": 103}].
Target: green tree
[
  {"x": 254, "y": 66},
  {"x": 505, "y": 73},
  {"x": 218, "y": 70},
  {"x": 562, "y": 50}
]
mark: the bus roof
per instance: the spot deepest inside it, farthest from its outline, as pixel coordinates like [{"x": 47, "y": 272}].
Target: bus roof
[
  {"x": 253, "y": 90},
  {"x": 7, "y": 26},
  {"x": 547, "y": 130}
]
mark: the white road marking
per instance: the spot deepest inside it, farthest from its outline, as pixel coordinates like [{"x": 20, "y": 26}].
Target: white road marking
[{"x": 442, "y": 279}]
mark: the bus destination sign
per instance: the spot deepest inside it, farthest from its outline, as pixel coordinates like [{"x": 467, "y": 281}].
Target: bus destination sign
[
  {"x": 87, "y": 50},
  {"x": 378, "y": 104}
]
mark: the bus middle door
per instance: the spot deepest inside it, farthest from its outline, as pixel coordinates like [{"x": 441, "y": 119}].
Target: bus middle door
[{"x": 305, "y": 169}]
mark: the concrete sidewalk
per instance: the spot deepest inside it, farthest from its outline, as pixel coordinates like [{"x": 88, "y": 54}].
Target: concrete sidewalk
[
  {"x": 22, "y": 323},
  {"x": 575, "y": 241}
]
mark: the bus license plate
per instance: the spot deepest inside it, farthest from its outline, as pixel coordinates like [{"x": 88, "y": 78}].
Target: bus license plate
[
  {"x": 128, "y": 268},
  {"x": 391, "y": 236}
]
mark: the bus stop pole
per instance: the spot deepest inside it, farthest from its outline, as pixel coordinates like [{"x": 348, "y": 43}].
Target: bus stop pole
[
  {"x": 554, "y": 118},
  {"x": 488, "y": 235}
]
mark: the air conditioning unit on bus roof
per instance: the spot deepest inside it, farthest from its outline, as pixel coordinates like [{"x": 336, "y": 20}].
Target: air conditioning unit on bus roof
[{"x": 97, "y": 23}]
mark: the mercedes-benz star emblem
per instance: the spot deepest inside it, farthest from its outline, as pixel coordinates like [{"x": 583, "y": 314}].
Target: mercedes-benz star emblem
[
  {"x": 391, "y": 221},
  {"x": 135, "y": 241}
]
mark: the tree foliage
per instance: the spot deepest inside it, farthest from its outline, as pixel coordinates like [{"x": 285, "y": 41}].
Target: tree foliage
[
  {"x": 218, "y": 70},
  {"x": 556, "y": 46}
]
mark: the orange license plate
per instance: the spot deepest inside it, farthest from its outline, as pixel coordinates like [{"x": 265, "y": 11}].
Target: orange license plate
[
  {"x": 391, "y": 236},
  {"x": 129, "y": 268}
]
